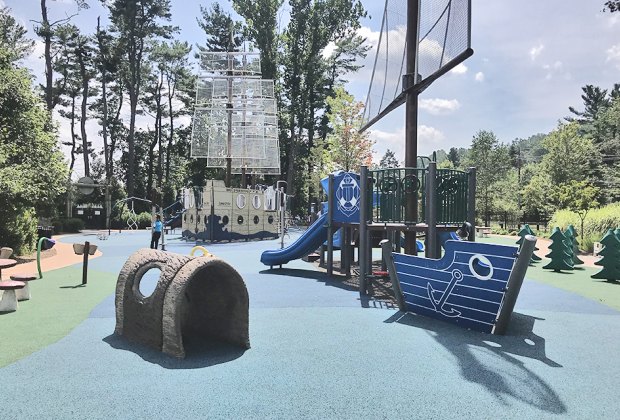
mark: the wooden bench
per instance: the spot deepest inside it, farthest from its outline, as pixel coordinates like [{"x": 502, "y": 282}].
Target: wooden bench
[{"x": 483, "y": 231}]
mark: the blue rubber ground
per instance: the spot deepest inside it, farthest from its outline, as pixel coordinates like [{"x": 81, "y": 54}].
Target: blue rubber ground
[{"x": 319, "y": 352}]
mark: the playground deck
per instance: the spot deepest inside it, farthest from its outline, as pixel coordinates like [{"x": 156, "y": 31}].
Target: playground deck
[{"x": 318, "y": 351}]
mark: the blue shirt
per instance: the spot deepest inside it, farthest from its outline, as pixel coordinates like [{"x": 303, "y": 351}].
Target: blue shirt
[{"x": 157, "y": 227}]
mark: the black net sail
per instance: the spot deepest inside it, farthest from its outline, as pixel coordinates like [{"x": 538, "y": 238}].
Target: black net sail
[{"x": 444, "y": 34}]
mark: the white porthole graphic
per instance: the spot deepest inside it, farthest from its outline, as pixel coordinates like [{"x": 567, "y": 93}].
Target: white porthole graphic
[
  {"x": 480, "y": 267},
  {"x": 241, "y": 201},
  {"x": 256, "y": 202}
]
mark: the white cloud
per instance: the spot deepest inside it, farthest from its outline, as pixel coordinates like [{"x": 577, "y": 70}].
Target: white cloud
[
  {"x": 556, "y": 69},
  {"x": 460, "y": 69},
  {"x": 393, "y": 140},
  {"x": 536, "y": 51},
  {"x": 613, "y": 55},
  {"x": 429, "y": 135},
  {"x": 429, "y": 139},
  {"x": 479, "y": 77},
  {"x": 328, "y": 50},
  {"x": 436, "y": 106},
  {"x": 35, "y": 62},
  {"x": 432, "y": 48},
  {"x": 612, "y": 19}
]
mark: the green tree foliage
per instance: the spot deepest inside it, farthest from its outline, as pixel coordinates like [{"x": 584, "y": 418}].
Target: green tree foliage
[
  {"x": 137, "y": 22},
  {"x": 312, "y": 27},
  {"x": 223, "y": 33},
  {"x": 569, "y": 155},
  {"x": 562, "y": 179},
  {"x": 559, "y": 253},
  {"x": 46, "y": 30},
  {"x": 68, "y": 86},
  {"x": 107, "y": 63},
  {"x": 612, "y": 6},
  {"x": 13, "y": 38},
  {"x": 453, "y": 156},
  {"x": 580, "y": 197},
  {"x": 348, "y": 148},
  {"x": 388, "y": 160},
  {"x": 594, "y": 99},
  {"x": 262, "y": 23},
  {"x": 492, "y": 162},
  {"x": 32, "y": 171},
  {"x": 611, "y": 258},
  {"x": 505, "y": 197}
]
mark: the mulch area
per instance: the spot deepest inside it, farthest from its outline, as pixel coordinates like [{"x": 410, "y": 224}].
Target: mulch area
[
  {"x": 379, "y": 288},
  {"x": 23, "y": 259}
]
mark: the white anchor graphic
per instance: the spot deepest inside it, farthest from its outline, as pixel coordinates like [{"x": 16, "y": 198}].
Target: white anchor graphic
[{"x": 457, "y": 276}]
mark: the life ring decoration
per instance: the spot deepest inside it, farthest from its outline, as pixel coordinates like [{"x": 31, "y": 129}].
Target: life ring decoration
[
  {"x": 409, "y": 184},
  {"x": 448, "y": 185},
  {"x": 202, "y": 249}
]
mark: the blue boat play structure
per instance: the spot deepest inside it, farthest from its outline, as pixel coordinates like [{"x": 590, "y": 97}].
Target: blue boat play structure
[
  {"x": 473, "y": 285},
  {"x": 309, "y": 241}
]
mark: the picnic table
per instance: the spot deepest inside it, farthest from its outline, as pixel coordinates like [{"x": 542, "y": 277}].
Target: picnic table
[{"x": 483, "y": 231}]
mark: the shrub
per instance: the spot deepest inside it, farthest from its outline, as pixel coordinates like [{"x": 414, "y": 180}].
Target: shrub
[
  {"x": 596, "y": 223},
  {"x": 72, "y": 225},
  {"x": 20, "y": 232},
  {"x": 144, "y": 220},
  {"x": 586, "y": 243},
  {"x": 57, "y": 226},
  {"x": 563, "y": 218}
]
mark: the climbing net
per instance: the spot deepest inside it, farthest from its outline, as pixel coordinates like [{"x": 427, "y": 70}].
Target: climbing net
[{"x": 444, "y": 39}]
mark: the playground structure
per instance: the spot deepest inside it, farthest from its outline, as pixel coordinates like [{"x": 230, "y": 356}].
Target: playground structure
[
  {"x": 235, "y": 124},
  {"x": 474, "y": 285},
  {"x": 195, "y": 296},
  {"x": 172, "y": 215},
  {"x": 376, "y": 206},
  {"x": 132, "y": 219},
  {"x": 217, "y": 213}
]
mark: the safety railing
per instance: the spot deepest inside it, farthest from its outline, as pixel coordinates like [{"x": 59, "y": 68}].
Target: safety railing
[
  {"x": 393, "y": 188},
  {"x": 451, "y": 196}
]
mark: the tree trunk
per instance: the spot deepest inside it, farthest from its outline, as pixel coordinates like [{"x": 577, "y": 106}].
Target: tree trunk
[
  {"x": 85, "y": 80},
  {"x": 107, "y": 156},
  {"x": 72, "y": 137},
  {"x": 69, "y": 209},
  {"x": 47, "y": 39},
  {"x": 133, "y": 104},
  {"x": 159, "y": 135},
  {"x": 113, "y": 138},
  {"x": 171, "y": 90}
]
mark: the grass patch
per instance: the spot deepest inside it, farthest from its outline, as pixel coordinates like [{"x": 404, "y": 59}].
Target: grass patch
[
  {"x": 57, "y": 306},
  {"x": 576, "y": 281}
]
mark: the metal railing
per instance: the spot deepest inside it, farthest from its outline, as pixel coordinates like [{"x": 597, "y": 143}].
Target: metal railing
[
  {"x": 451, "y": 196},
  {"x": 392, "y": 188}
]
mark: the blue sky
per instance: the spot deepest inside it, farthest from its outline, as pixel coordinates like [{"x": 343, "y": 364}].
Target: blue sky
[{"x": 531, "y": 60}]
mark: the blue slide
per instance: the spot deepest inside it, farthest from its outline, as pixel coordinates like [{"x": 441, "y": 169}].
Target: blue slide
[{"x": 309, "y": 241}]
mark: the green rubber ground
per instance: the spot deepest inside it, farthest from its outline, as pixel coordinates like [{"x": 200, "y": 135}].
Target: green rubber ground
[
  {"x": 54, "y": 298},
  {"x": 577, "y": 281}
]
